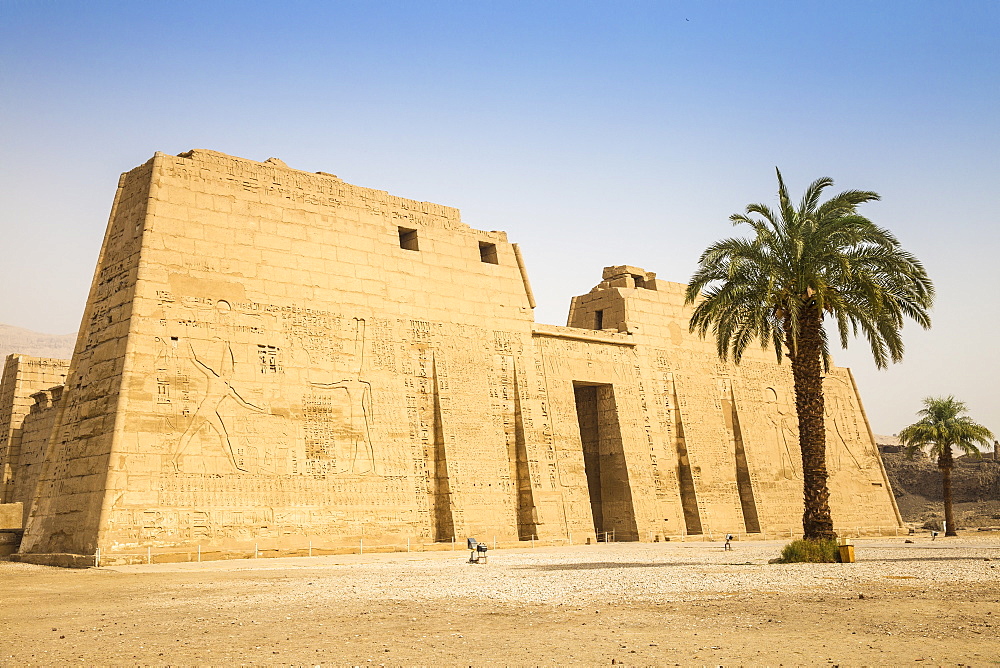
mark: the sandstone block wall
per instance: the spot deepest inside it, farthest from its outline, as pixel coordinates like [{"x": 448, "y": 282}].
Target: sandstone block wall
[
  {"x": 274, "y": 357},
  {"x": 734, "y": 428},
  {"x": 23, "y": 375},
  {"x": 36, "y": 431}
]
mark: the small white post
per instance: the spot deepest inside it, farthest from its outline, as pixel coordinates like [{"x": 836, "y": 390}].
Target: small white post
[
  {"x": 310, "y": 548},
  {"x": 149, "y": 554},
  {"x": 494, "y": 542},
  {"x": 199, "y": 553},
  {"x": 407, "y": 543},
  {"x": 532, "y": 540},
  {"x": 255, "y": 550},
  {"x": 97, "y": 558}
]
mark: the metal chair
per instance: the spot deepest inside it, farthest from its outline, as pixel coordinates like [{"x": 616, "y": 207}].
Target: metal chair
[{"x": 477, "y": 551}]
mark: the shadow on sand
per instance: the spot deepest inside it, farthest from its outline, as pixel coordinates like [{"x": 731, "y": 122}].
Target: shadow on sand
[{"x": 599, "y": 565}]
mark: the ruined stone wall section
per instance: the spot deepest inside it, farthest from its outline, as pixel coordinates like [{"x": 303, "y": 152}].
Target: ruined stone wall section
[
  {"x": 36, "y": 430},
  {"x": 22, "y": 377},
  {"x": 66, "y": 513}
]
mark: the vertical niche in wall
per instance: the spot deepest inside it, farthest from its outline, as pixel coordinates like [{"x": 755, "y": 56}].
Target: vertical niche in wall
[
  {"x": 743, "y": 484},
  {"x": 604, "y": 462},
  {"x": 527, "y": 521},
  {"x": 441, "y": 508},
  {"x": 685, "y": 478}
]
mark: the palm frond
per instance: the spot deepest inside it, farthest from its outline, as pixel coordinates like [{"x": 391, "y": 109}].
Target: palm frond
[
  {"x": 943, "y": 425},
  {"x": 822, "y": 257}
]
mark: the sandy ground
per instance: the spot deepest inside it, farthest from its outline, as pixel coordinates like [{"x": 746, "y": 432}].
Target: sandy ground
[{"x": 925, "y": 603}]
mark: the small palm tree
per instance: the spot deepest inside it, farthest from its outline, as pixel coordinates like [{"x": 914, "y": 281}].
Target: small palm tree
[
  {"x": 803, "y": 265},
  {"x": 942, "y": 427}
]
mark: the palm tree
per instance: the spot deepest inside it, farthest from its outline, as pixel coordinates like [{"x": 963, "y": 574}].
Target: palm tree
[
  {"x": 942, "y": 426},
  {"x": 802, "y": 266}
]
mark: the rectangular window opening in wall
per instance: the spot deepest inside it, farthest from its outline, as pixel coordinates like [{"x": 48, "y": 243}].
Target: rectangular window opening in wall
[
  {"x": 599, "y": 319},
  {"x": 408, "y": 239},
  {"x": 488, "y": 252}
]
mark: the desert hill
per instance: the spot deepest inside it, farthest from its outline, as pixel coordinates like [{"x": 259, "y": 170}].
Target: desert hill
[
  {"x": 916, "y": 483},
  {"x": 24, "y": 341}
]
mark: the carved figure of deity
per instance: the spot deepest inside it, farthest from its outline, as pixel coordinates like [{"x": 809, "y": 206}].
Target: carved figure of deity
[
  {"x": 781, "y": 438},
  {"x": 842, "y": 434}
]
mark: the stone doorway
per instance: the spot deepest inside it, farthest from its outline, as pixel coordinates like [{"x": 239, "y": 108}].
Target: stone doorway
[{"x": 604, "y": 460}]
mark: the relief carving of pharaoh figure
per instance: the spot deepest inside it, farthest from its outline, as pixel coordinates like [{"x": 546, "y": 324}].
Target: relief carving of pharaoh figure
[
  {"x": 781, "y": 435},
  {"x": 210, "y": 406}
]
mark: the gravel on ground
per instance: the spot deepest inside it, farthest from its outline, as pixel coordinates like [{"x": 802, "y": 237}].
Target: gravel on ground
[{"x": 672, "y": 603}]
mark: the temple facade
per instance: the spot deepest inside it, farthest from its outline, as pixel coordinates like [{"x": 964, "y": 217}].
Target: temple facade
[{"x": 278, "y": 358}]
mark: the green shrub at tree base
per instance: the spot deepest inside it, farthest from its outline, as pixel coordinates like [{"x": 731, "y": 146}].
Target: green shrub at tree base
[{"x": 825, "y": 551}]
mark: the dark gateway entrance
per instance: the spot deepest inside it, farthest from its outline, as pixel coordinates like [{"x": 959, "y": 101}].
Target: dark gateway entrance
[{"x": 604, "y": 459}]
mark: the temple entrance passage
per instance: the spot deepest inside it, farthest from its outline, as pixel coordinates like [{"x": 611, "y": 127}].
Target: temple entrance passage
[{"x": 604, "y": 460}]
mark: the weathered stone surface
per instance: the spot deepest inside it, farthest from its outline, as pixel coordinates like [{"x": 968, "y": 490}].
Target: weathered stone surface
[
  {"x": 35, "y": 432},
  {"x": 274, "y": 357},
  {"x": 22, "y": 377},
  {"x": 10, "y": 516}
]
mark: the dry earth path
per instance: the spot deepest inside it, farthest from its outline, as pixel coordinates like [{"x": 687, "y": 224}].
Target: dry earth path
[{"x": 635, "y": 604}]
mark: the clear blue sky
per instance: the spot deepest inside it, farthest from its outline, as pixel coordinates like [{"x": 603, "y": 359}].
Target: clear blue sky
[{"x": 593, "y": 133}]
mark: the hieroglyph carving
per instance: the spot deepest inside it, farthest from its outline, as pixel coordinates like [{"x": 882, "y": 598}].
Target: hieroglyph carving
[
  {"x": 226, "y": 395},
  {"x": 261, "y": 359},
  {"x": 781, "y": 434}
]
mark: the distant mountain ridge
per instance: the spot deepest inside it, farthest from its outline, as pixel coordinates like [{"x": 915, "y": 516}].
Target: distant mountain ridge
[{"x": 26, "y": 342}]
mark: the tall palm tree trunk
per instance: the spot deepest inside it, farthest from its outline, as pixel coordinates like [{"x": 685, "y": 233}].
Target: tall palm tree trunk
[
  {"x": 807, "y": 374},
  {"x": 945, "y": 463}
]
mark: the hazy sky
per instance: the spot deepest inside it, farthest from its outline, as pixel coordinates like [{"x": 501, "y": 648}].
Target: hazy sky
[{"x": 593, "y": 133}]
